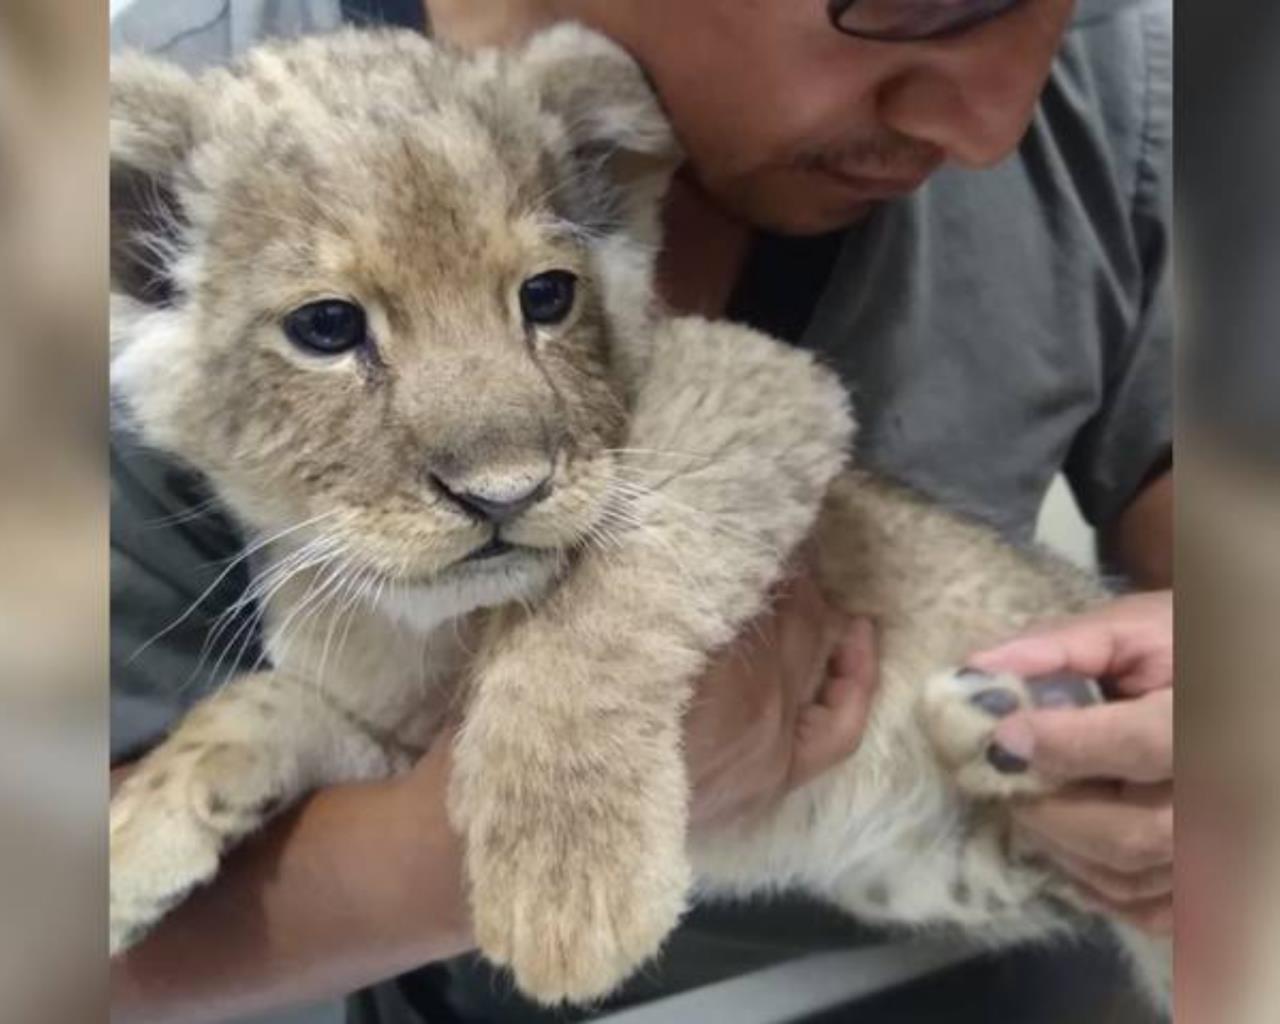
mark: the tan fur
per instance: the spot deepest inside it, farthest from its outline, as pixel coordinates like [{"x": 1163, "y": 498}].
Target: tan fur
[{"x": 690, "y": 459}]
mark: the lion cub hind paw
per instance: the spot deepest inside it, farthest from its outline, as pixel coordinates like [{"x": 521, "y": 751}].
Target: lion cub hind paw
[{"x": 962, "y": 707}]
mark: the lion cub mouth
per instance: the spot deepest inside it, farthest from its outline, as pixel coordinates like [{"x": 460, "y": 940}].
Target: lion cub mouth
[{"x": 495, "y": 547}]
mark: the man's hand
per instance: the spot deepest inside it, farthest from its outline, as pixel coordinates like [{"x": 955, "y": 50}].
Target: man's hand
[
  {"x": 782, "y": 704},
  {"x": 1111, "y": 828}
]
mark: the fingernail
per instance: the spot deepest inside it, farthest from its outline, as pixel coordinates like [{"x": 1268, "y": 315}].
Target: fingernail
[
  {"x": 1064, "y": 690},
  {"x": 1016, "y": 740},
  {"x": 978, "y": 662},
  {"x": 992, "y": 657},
  {"x": 1004, "y": 762}
]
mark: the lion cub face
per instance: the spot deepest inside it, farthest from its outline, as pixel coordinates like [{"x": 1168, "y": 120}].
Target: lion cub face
[{"x": 382, "y": 295}]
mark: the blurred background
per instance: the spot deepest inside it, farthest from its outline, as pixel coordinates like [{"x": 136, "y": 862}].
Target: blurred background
[
  {"x": 1228, "y": 163},
  {"x": 53, "y": 507},
  {"x": 53, "y": 501}
]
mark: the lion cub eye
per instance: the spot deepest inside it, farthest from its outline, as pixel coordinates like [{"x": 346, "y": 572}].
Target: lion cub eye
[
  {"x": 328, "y": 327},
  {"x": 547, "y": 298}
]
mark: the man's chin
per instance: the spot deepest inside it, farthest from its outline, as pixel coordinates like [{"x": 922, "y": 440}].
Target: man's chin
[
  {"x": 824, "y": 220},
  {"x": 790, "y": 205}
]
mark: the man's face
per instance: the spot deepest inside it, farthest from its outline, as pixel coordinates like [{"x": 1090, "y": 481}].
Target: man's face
[{"x": 794, "y": 126}]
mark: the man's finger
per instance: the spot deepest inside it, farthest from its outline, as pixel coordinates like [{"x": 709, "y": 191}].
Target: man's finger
[
  {"x": 854, "y": 655},
  {"x": 828, "y": 730},
  {"x": 1125, "y": 642},
  {"x": 1123, "y": 888},
  {"x": 1155, "y": 917},
  {"x": 1128, "y": 830},
  {"x": 1079, "y": 646},
  {"x": 806, "y": 630},
  {"x": 1126, "y": 740}
]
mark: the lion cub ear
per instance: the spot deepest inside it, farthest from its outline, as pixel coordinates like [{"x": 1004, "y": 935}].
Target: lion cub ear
[
  {"x": 614, "y": 122},
  {"x": 154, "y": 116}
]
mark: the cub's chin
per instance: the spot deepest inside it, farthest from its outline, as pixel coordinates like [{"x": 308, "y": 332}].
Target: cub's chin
[{"x": 493, "y": 574}]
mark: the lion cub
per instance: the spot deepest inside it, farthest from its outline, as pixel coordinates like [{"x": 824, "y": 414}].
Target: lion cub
[{"x": 396, "y": 305}]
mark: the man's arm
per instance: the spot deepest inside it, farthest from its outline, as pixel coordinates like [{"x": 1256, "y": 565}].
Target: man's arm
[
  {"x": 363, "y": 882},
  {"x": 1140, "y": 542}
]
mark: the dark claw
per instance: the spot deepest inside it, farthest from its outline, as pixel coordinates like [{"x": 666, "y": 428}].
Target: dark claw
[
  {"x": 996, "y": 703},
  {"x": 1004, "y": 762}
]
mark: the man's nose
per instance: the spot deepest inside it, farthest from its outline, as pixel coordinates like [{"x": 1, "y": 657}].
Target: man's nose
[
  {"x": 495, "y": 497},
  {"x": 977, "y": 116},
  {"x": 973, "y": 94}
]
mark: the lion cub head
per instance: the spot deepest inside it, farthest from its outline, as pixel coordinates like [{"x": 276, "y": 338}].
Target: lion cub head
[{"x": 391, "y": 296}]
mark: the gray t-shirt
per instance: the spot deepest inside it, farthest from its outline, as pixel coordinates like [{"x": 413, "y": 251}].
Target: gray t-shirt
[{"x": 994, "y": 328}]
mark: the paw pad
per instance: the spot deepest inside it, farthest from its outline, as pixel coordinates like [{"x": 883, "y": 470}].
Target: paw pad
[{"x": 961, "y": 709}]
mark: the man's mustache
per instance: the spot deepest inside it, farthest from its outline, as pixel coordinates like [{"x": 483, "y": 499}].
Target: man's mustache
[{"x": 902, "y": 157}]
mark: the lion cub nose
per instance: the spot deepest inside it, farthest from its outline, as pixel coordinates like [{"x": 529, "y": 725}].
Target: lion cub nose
[{"x": 493, "y": 501}]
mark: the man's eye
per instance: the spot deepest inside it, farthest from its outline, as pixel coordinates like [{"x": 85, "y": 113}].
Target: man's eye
[
  {"x": 328, "y": 327},
  {"x": 547, "y": 298}
]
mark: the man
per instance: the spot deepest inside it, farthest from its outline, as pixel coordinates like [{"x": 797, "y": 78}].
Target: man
[{"x": 963, "y": 205}]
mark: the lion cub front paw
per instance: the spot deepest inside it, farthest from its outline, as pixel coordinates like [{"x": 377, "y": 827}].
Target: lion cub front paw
[
  {"x": 961, "y": 709},
  {"x": 572, "y": 913},
  {"x": 171, "y": 822},
  {"x": 159, "y": 853}
]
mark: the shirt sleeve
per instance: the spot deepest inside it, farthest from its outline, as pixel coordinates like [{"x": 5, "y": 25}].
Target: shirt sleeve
[
  {"x": 179, "y": 627},
  {"x": 201, "y": 33},
  {"x": 1129, "y": 441}
]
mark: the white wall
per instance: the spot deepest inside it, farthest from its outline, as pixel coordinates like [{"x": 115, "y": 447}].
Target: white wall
[{"x": 1063, "y": 528}]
